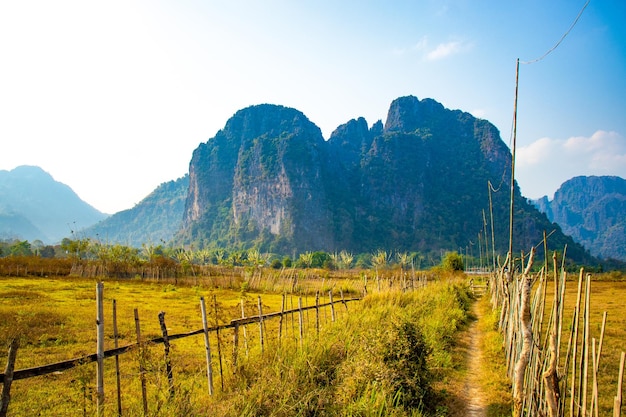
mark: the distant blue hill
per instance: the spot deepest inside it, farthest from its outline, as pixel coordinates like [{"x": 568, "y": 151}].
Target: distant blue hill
[
  {"x": 593, "y": 211},
  {"x": 33, "y": 206},
  {"x": 154, "y": 220}
]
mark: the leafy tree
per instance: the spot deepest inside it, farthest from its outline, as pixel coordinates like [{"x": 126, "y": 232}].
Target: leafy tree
[
  {"x": 47, "y": 252},
  {"x": 321, "y": 260},
  {"x": 452, "y": 261},
  {"x": 21, "y": 248},
  {"x": 380, "y": 259},
  {"x": 306, "y": 259},
  {"x": 363, "y": 260},
  {"x": 36, "y": 246}
]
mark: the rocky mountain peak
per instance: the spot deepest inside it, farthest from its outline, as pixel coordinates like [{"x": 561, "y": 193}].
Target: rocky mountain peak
[
  {"x": 270, "y": 120},
  {"x": 407, "y": 114}
]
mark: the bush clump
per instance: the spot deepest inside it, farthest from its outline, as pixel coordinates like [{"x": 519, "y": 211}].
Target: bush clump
[{"x": 380, "y": 360}]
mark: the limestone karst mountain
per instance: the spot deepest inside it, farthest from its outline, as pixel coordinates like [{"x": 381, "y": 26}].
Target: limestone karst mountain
[
  {"x": 593, "y": 211},
  {"x": 417, "y": 183}
]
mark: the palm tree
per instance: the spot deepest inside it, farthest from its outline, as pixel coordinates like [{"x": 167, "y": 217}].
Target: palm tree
[
  {"x": 345, "y": 259},
  {"x": 306, "y": 259}
]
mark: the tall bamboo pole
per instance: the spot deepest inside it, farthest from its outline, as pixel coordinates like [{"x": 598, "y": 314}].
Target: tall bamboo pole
[{"x": 512, "y": 206}]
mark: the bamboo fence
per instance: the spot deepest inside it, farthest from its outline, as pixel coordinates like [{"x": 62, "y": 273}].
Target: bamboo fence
[
  {"x": 548, "y": 380},
  {"x": 236, "y": 325}
]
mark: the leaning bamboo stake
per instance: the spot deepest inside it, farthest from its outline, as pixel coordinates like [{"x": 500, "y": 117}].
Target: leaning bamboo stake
[
  {"x": 100, "y": 346},
  {"x": 596, "y": 359},
  {"x": 594, "y": 391},
  {"x": 142, "y": 370},
  {"x": 585, "y": 358},
  {"x": 617, "y": 405},
  {"x": 207, "y": 346},
  {"x": 527, "y": 334},
  {"x": 550, "y": 376},
  {"x": 8, "y": 377},
  {"x": 572, "y": 410}
]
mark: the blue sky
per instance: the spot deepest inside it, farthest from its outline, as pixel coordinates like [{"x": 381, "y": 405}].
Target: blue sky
[{"x": 112, "y": 98}]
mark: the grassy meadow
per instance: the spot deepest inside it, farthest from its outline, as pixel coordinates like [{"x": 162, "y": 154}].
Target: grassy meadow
[
  {"x": 382, "y": 356},
  {"x": 393, "y": 353}
]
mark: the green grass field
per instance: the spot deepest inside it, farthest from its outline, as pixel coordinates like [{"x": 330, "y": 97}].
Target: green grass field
[
  {"x": 357, "y": 365},
  {"x": 347, "y": 370}
]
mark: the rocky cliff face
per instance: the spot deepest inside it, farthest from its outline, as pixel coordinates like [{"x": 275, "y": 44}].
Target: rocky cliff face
[
  {"x": 593, "y": 211},
  {"x": 261, "y": 178},
  {"x": 418, "y": 182}
]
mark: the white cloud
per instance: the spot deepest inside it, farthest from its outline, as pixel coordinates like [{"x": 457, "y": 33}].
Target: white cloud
[
  {"x": 422, "y": 44},
  {"x": 444, "y": 50},
  {"x": 546, "y": 163},
  {"x": 429, "y": 52}
]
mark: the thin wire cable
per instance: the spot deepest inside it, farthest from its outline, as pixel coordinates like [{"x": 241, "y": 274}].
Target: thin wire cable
[{"x": 560, "y": 40}]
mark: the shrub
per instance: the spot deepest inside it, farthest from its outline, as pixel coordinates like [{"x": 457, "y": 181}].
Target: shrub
[{"x": 452, "y": 261}]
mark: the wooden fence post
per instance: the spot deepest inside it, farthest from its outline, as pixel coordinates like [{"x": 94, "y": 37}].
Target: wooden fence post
[
  {"x": 166, "y": 347},
  {"x": 207, "y": 346},
  {"x": 317, "y": 312},
  {"x": 8, "y": 378},
  {"x": 219, "y": 342},
  {"x": 301, "y": 316},
  {"x": 142, "y": 370},
  {"x": 235, "y": 346},
  {"x": 342, "y": 299},
  {"x": 117, "y": 361},
  {"x": 280, "y": 321},
  {"x": 245, "y": 333},
  {"x": 261, "y": 323},
  {"x": 332, "y": 306},
  {"x": 100, "y": 347}
]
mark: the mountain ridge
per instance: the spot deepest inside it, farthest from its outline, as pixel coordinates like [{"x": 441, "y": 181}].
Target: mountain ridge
[
  {"x": 417, "y": 183},
  {"x": 35, "y": 206},
  {"x": 592, "y": 209}
]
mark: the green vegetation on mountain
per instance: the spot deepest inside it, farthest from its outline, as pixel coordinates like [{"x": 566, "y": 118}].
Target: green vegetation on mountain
[
  {"x": 154, "y": 220},
  {"x": 418, "y": 184},
  {"x": 593, "y": 211}
]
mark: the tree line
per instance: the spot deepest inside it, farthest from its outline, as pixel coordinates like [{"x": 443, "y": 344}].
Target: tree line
[{"x": 120, "y": 260}]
